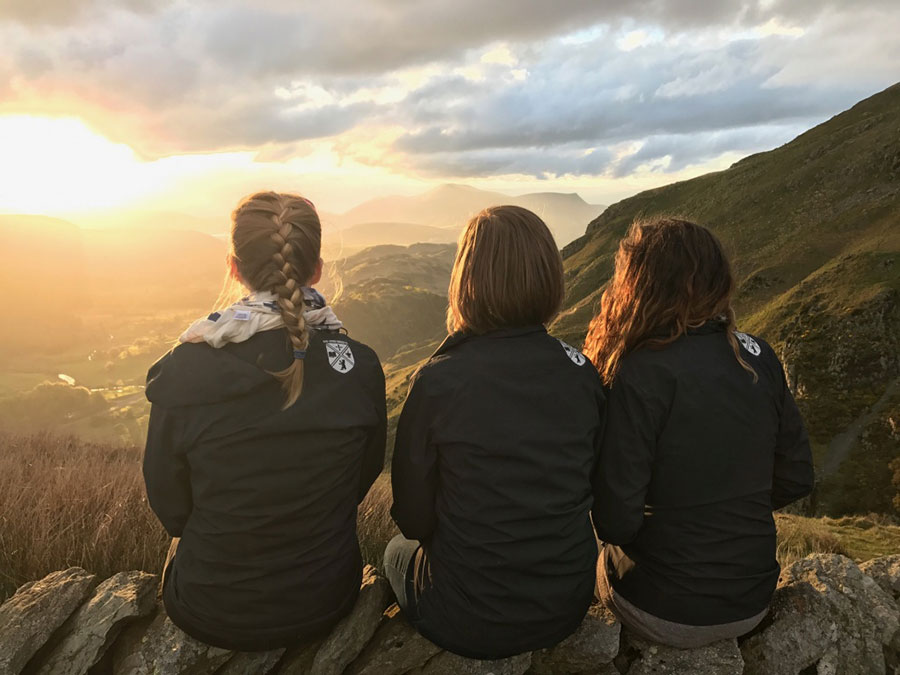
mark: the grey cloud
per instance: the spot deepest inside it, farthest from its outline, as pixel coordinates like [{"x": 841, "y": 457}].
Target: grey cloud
[
  {"x": 373, "y": 36},
  {"x": 258, "y": 125},
  {"x": 540, "y": 163},
  {"x": 33, "y": 62},
  {"x": 61, "y": 12},
  {"x": 687, "y": 149},
  {"x": 581, "y": 105},
  {"x": 202, "y": 76}
]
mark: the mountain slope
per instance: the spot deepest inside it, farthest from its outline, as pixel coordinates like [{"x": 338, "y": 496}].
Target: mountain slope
[
  {"x": 349, "y": 240},
  {"x": 782, "y": 214},
  {"x": 813, "y": 228},
  {"x": 392, "y": 297}
]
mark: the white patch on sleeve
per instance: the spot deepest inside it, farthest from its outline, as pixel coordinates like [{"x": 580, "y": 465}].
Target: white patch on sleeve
[
  {"x": 339, "y": 355},
  {"x": 242, "y": 315},
  {"x": 748, "y": 343},
  {"x": 577, "y": 357}
]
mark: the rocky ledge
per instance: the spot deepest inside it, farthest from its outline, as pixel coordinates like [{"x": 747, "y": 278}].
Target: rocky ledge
[{"x": 828, "y": 616}]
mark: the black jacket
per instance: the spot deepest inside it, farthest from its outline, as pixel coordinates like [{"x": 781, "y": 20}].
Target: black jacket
[
  {"x": 492, "y": 472},
  {"x": 264, "y": 500},
  {"x": 695, "y": 456}
]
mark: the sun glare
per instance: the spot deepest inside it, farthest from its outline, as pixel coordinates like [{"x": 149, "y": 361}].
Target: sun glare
[{"x": 51, "y": 165}]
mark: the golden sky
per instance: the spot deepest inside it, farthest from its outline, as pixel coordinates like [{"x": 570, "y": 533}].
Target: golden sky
[{"x": 113, "y": 110}]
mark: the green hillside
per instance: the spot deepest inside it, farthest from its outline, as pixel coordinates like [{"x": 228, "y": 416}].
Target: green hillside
[
  {"x": 392, "y": 297},
  {"x": 813, "y": 228}
]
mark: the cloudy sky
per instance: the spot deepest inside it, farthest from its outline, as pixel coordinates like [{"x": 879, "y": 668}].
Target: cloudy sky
[{"x": 184, "y": 106}]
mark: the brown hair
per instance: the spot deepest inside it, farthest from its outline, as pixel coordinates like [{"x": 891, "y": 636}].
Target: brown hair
[
  {"x": 670, "y": 275},
  {"x": 508, "y": 272},
  {"x": 276, "y": 241}
]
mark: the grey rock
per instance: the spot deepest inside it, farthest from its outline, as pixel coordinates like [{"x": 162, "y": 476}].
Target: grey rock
[
  {"x": 828, "y": 614},
  {"x": 84, "y": 638},
  {"x": 395, "y": 648},
  {"x": 718, "y": 658},
  {"x": 251, "y": 663},
  {"x": 447, "y": 663},
  {"x": 354, "y": 631},
  {"x": 886, "y": 573},
  {"x": 298, "y": 659},
  {"x": 595, "y": 642},
  {"x": 161, "y": 648},
  {"x": 30, "y": 617}
]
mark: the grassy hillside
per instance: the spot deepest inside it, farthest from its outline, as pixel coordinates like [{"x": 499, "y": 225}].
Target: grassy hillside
[
  {"x": 813, "y": 228},
  {"x": 392, "y": 297}
]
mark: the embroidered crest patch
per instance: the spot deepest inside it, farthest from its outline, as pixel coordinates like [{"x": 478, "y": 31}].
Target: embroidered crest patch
[
  {"x": 339, "y": 355},
  {"x": 577, "y": 357},
  {"x": 748, "y": 343}
]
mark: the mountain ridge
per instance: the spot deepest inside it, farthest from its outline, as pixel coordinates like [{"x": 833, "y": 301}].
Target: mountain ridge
[
  {"x": 813, "y": 231},
  {"x": 452, "y": 204}
]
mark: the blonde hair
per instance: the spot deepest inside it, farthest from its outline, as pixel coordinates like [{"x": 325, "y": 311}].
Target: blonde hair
[
  {"x": 508, "y": 272},
  {"x": 276, "y": 241}
]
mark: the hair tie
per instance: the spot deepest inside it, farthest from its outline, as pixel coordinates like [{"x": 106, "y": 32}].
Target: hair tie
[{"x": 299, "y": 354}]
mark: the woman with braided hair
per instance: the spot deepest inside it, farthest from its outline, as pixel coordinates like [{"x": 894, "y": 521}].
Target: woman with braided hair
[{"x": 267, "y": 428}]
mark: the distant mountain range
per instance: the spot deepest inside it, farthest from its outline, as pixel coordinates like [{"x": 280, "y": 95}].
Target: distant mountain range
[{"x": 438, "y": 215}]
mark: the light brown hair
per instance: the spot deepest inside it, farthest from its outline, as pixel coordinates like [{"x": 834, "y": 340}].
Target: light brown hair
[
  {"x": 670, "y": 275},
  {"x": 276, "y": 241},
  {"x": 508, "y": 272}
]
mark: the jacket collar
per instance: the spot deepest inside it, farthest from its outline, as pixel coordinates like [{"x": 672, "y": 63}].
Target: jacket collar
[
  {"x": 711, "y": 326},
  {"x": 459, "y": 337}
]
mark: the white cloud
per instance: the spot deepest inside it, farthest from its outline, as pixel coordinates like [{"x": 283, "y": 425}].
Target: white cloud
[{"x": 500, "y": 55}]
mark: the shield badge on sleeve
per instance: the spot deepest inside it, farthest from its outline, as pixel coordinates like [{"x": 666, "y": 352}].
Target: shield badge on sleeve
[
  {"x": 748, "y": 343},
  {"x": 577, "y": 357},
  {"x": 339, "y": 355}
]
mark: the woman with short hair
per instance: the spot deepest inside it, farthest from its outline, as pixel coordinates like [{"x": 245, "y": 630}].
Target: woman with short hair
[{"x": 494, "y": 454}]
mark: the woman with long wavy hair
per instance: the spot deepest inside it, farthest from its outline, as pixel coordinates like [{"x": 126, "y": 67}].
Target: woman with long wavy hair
[{"x": 702, "y": 441}]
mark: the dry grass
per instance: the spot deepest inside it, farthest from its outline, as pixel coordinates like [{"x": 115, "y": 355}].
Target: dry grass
[
  {"x": 858, "y": 537},
  {"x": 798, "y": 537},
  {"x": 66, "y": 502}
]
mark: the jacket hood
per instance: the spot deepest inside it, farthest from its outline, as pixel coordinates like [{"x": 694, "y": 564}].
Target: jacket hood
[{"x": 196, "y": 374}]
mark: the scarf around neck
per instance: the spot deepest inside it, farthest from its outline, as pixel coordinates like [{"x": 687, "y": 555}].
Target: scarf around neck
[{"x": 254, "y": 313}]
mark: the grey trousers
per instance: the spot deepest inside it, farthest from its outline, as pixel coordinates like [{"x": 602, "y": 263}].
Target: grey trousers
[{"x": 648, "y": 627}]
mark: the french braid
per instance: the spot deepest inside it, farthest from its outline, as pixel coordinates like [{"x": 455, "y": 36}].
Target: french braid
[{"x": 276, "y": 242}]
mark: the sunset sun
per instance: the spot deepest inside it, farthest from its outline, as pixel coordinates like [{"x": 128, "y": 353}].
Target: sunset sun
[{"x": 60, "y": 164}]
